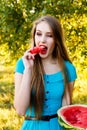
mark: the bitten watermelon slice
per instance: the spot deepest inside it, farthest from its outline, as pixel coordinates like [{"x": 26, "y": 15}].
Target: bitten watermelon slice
[
  {"x": 73, "y": 117},
  {"x": 37, "y": 50}
]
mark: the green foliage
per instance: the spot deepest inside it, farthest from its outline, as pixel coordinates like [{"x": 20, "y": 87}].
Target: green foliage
[{"x": 16, "y": 19}]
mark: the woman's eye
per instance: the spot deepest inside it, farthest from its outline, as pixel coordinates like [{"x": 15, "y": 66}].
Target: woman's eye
[
  {"x": 49, "y": 36},
  {"x": 39, "y": 34}
]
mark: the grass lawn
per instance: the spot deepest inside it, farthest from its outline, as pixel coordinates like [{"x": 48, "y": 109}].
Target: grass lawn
[{"x": 9, "y": 120}]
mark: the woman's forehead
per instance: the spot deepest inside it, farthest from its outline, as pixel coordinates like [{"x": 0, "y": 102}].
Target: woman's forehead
[{"x": 43, "y": 26}]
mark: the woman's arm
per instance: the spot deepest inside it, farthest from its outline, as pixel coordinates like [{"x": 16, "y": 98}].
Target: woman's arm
[
  {"x": 22, "y": 84},
  {"x": 67, "y": 98},
  {"x": 70, "y": 88},
  {"x": 22, "y": 91},
  {"x": 71, "y": 77}
]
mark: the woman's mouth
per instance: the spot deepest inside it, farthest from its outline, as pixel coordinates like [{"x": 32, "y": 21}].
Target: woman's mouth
[{"x": 44, "y": 49}]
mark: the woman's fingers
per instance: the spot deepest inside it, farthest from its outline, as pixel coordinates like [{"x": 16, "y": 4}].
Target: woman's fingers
[{"x": 28, "y": 55}]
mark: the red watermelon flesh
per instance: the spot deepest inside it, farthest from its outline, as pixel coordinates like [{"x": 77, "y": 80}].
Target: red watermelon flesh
[
  {"x": 36, "y": 50},
  {"x": 40, "y": 49},
  {"x": 75, "y": 115}
]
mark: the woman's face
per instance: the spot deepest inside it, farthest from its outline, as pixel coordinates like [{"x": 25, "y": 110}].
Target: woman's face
[{"x": 44, "y": 38}]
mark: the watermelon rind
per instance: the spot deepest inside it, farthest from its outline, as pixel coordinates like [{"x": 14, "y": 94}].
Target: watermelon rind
[{"x": 66, "y": 124}]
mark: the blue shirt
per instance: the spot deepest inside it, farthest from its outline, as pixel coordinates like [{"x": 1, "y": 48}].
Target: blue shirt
[{"x": 54, "y": 90}]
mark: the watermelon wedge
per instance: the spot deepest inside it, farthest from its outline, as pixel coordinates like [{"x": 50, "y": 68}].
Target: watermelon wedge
[
  {"x": 36, "y": 50},
  {"x": 73, "y": 117},
  {"x": 39, "y": 49}
]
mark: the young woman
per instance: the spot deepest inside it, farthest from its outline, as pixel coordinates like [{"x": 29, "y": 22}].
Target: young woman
[{"x": 44, "y": 81}]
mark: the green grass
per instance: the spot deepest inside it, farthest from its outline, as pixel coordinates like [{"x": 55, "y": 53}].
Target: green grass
[{"x": 9, "y": 119}]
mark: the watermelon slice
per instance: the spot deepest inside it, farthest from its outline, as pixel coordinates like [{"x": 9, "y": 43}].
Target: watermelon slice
[
  {"x": 40, "y": 49},
  {"x": 73, "y": 117},
  {"x": 36, "y": 50}
]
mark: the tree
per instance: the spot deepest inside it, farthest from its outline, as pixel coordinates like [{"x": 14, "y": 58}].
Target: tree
[{"x": 17, "y": 18}]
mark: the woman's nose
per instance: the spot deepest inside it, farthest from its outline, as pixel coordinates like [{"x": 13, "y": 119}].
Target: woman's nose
[{"x": 43, "y": 39}]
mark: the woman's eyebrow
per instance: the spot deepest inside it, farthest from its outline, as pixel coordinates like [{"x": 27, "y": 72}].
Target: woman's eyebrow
[{"x": 46, "y": 32}]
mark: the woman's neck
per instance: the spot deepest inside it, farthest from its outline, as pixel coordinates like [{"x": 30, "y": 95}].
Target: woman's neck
[
  {"x": 49, "y": 60},
  {"x": 50, "y": 66}
]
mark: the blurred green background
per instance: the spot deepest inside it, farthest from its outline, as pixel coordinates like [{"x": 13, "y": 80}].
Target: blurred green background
[{"x": 16, "y": 18}]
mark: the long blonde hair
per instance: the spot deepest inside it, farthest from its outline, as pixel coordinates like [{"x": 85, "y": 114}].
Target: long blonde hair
[{"x": 59, "y": 52}]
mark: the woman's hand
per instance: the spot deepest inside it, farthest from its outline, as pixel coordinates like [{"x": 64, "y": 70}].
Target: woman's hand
[{"x": 28, "y": 59}]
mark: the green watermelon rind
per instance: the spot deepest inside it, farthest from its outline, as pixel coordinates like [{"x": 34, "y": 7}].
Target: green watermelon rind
[{"x": 65, "y": 124}]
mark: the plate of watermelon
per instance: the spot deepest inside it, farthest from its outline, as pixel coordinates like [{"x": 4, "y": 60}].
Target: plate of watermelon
[{"x": 73, "y": 117}]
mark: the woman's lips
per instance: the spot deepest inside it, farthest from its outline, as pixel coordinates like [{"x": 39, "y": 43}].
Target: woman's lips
[{"x": 43, "y": 50}]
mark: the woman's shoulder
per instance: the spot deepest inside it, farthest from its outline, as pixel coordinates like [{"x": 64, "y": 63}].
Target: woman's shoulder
[
  {"x": 20, "y": 62},
  {"x": 71, "y": 71},
  {"x": 68, "y": 64},
  {"x": 19, "y": 66}
]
